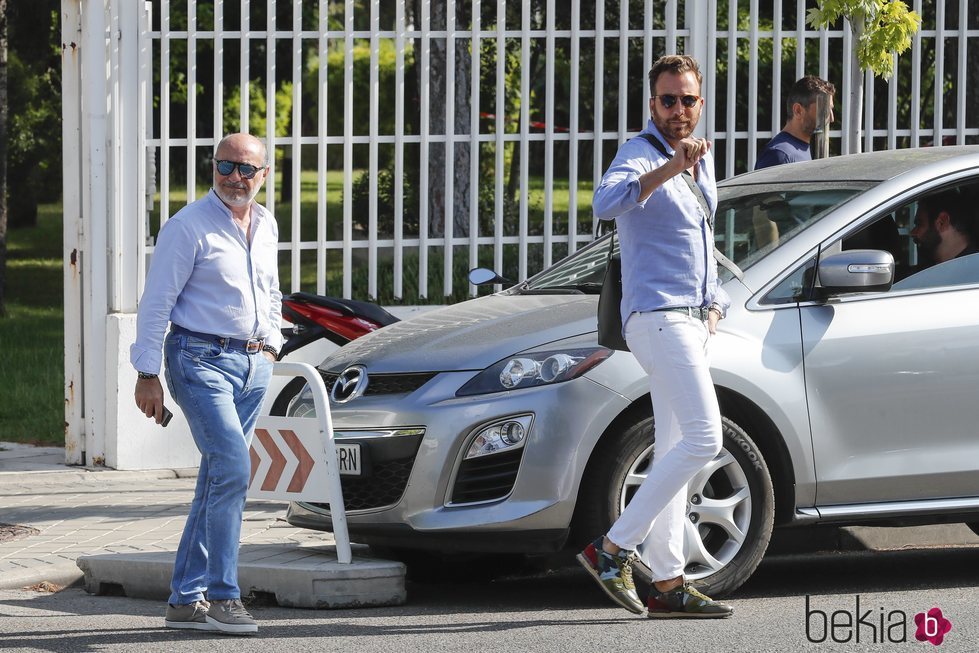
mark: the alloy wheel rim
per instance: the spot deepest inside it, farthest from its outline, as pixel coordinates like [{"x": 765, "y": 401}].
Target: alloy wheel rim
[{"x": 718, "y": 512}]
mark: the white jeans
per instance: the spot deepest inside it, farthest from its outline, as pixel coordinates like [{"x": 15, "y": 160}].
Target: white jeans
[{"x": 673, "y": 349}]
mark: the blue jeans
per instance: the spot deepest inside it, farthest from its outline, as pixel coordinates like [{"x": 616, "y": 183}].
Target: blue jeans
[{"x": 220, "y": 391}]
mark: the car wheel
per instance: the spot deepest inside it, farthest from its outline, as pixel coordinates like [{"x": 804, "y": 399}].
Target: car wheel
[{"x": 730, "y": 506}]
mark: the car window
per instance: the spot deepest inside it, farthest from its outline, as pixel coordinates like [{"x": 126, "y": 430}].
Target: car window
[
  {"x": 751, "y": 221},
  {"x": 911, "y": 236},
  {"x": 957, "y": 272}
]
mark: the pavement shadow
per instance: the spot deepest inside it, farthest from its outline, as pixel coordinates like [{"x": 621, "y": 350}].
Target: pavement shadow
[{"x": 853, "y": 572}]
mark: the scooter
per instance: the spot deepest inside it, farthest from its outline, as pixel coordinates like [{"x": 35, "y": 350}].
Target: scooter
[
  {"x": 312, "y": 318},
  {"x": 307, "y": 318}
]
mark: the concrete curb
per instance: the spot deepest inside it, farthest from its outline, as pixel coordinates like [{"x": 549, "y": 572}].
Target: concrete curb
[
  {"x": 298, "y": 576},
  {"x": 63, "y": 574},
  {"x": 90, "y": 474}
]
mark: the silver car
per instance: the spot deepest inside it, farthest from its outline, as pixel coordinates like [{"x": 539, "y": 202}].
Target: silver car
[{"x": 847, "y": 372}]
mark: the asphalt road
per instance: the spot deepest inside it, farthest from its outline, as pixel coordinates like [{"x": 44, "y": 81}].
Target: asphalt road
[{"x": 556, "y": 610}]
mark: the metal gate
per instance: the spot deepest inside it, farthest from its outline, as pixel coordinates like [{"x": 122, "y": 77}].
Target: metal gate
[{"x": 361, "y": 107}]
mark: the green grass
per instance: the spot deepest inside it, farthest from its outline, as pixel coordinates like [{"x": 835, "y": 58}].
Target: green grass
[{"x": 32, "y": 335}]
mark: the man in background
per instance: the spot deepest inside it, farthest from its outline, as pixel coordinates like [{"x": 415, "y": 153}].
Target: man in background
[{"x": 807, "y": 100}]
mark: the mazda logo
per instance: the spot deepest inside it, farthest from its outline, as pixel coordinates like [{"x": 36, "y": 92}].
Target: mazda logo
[{"x": 350, "y": 384}]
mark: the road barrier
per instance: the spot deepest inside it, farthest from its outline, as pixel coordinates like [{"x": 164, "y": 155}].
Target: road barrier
[{"x": 295, "y": 458}]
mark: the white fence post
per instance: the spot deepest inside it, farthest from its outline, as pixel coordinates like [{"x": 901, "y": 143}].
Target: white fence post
[{"x": 71, "y": 131}]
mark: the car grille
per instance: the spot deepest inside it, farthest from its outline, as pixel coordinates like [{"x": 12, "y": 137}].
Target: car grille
[
  {"x": 487, "y": 477},
  {"x": 383, "y": 487},
  {"x": 385, "y": 384}
]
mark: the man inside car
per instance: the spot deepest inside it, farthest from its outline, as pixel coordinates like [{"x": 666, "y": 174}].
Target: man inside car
[{"x": 943, "y": 228}]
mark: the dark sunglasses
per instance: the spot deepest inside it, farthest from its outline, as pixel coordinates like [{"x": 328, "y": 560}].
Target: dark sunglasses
[
  {"x": 688, "y": 101},
  {"x": 246, "y": 170}
]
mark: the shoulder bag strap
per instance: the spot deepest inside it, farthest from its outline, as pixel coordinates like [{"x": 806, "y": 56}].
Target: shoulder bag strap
[{"x": 699, "y": 194}]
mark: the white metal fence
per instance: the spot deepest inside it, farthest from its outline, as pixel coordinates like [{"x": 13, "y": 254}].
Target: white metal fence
[
  {"x": 571, "y": 77},
  {"x": 361, "y": 106}
]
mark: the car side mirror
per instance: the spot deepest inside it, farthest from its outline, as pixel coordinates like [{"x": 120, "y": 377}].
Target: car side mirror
[
  {"x": 482, "y": 276},
  {"x": 855, "y": 270}
]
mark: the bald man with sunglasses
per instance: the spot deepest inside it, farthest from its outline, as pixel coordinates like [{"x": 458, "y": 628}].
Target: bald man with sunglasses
[
  {"x": 661, "y": 193},
  {"x": 214, "y": 279}
]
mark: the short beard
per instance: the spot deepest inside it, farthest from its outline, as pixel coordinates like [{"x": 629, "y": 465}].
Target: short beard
[
  {"x": 237, "y": 197},
  {"x": 928, "y": 244},
  {"x": 674, "y": 133}
]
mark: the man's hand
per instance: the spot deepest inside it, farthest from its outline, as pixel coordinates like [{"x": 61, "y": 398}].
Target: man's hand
[
  {"x": 268, "y": 355},
  {"x": 149, "y": 398},
  {"x": 689, "y": 152},
  {"x": 713, "y": 317}
]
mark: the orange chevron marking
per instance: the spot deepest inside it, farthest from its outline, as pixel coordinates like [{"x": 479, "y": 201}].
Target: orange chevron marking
[
  {"x": 298, "y": 481},
  {"x": 278, "y": 460},
  {"x": 256, "y": 461}
]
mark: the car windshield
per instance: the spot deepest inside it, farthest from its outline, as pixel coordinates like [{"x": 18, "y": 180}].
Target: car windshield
[{"x": 751, "y": 221}]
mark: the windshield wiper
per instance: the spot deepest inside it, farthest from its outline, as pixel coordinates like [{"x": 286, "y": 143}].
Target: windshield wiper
[{"x": 590, "y": 288}]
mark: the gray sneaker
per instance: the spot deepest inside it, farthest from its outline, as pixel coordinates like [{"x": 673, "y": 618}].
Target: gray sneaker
[
  {"x": 192, "y": 616},
  {"x": 231, "y": 617}
]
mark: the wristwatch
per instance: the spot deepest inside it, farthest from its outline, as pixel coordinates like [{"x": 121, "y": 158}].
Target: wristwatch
[
  {"x": 717, "y": 309},
  {"x": 146, "y": 375}
]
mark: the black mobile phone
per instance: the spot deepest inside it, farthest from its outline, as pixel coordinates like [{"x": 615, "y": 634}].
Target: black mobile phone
[{"x": 167, "y": 416}]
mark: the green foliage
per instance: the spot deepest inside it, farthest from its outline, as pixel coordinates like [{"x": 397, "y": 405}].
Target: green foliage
[
  {"x": 882, "y": 27},
  {"x": 34, "y": 105},
  {"x": 257, "y": 110},
  {"x": 32, "y": 335},
  {"x": 386, "y": 86}
]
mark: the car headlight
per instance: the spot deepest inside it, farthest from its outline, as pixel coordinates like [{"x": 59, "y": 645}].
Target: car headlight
[{"x": 532, "y": 369}]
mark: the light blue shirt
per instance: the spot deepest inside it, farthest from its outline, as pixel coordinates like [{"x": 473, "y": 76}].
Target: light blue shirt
[
  {"x": 666, "y": 242},
  {"x": 206, "y": 277}
]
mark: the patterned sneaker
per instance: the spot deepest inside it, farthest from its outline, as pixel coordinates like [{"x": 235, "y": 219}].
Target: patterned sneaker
[
  {"x": 192, "y": 616},
  {"x": 613, "y": 573},
  {"x": 685, "y": 602},
  {"x": 230, "y": 617}
]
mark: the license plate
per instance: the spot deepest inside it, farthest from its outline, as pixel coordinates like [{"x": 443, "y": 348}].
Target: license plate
[{"x": 349, "y": 459}]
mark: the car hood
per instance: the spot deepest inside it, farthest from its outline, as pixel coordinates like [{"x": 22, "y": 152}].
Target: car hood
[{"x": 470, "y": 335}]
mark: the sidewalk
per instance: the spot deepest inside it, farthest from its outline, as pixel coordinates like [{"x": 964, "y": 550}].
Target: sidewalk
[{"x": 138, "y": 516}]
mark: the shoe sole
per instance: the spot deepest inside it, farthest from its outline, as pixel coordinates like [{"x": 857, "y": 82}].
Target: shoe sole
[
  {"x": 232, "y": 629},
  {"x": 188, "y": 625},
  {"x": 584, "y": 562},
  {"x": 688, "y": 615}
]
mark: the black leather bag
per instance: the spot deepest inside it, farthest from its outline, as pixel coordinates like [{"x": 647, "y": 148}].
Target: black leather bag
[{"x": 610, "y": 304}]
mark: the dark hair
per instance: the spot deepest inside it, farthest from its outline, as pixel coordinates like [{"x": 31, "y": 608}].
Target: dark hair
[
  {"x": 806, "y": 90},
  {"x": 675, "y": 64},
  {"x": 952, "y": 202}
]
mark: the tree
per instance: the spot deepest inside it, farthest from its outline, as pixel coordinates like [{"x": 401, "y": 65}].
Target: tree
[
  {"x": 880, "y": 29},
  {"x": 3, "y": 155}
]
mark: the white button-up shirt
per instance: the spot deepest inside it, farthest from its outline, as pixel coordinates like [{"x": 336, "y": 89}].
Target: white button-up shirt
[{"x": 206, "y": 277}]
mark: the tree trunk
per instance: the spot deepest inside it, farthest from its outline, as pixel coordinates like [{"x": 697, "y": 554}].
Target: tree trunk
[
  {"x": 3, "y": 156},
  {"x": 445, "y": 157},
  {"x": 855, "y": 100}
]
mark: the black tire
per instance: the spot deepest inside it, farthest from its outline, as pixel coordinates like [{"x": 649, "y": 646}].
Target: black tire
[
  {"x": 290, "y": 390},
  {"x": 604, "y": 483}
]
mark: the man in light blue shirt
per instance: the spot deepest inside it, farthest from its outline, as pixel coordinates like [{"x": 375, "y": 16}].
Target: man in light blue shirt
[
  {"x": 660, "y": 191},
  {"x": 214, "y": 279}
]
